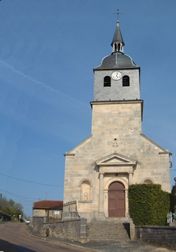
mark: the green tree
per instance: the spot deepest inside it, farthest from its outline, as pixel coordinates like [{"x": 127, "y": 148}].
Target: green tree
[{"x": 11, "y": 207}]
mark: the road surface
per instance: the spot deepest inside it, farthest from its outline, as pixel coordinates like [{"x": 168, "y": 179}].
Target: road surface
[{"x": 15, "y": 237}]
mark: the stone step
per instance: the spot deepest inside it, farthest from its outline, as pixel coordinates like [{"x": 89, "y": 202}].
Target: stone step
[{"x": 107, "y": 231}]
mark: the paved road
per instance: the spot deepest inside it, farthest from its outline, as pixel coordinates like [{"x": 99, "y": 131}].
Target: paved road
[{"x": 15, "y": 237}]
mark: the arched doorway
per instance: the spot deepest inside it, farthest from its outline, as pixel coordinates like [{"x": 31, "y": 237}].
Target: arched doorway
[{"x": 116, "y": 199}]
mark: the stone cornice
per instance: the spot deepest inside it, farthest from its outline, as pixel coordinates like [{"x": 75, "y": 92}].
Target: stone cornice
[
  {"x": 69, "y": 154},
  {"x": 116, "y": 102}
]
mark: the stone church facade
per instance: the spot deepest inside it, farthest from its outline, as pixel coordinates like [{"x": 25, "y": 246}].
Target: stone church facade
[{"x": 99, "y": 171}]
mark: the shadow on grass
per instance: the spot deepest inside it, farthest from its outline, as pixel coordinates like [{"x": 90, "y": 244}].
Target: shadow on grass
[{"x": 9, "y": 247}]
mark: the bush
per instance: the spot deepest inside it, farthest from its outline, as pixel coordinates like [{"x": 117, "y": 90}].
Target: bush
[
  {"x": 148, "y": 204},
  {"x": 173, "y": 199}
]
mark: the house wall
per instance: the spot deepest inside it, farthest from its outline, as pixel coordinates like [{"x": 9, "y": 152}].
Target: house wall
[
  {"x": 55, "y": 214},
  {"x": 39, "y": 212}
]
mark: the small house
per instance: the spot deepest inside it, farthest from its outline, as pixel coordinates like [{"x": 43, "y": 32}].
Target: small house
[{"x": 51, "y": 210}]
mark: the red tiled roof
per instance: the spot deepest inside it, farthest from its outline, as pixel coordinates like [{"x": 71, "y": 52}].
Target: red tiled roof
[{"x": 48, "y": 204}]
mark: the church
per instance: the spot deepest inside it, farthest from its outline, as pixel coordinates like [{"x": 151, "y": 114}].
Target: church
[{"x": 99, "y": 171}]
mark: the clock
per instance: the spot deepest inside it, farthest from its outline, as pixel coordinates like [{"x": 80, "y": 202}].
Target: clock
[{"x": 116, "y": 75}]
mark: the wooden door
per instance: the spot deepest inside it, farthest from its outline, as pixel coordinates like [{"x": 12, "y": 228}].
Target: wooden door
[{"x": 116, "y": 200}]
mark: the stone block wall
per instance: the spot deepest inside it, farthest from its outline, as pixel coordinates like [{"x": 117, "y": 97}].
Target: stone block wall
[
  {"x": 37, "y": 225},
  {"x": 165, "y": 236},
  {"x": 68, "y": 230}
]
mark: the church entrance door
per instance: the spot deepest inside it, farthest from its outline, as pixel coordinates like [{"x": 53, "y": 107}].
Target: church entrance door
[{"x": 116, "y": 200}]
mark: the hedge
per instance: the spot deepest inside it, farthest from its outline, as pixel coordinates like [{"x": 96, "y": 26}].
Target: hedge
[{"x": 148, "y": 204}]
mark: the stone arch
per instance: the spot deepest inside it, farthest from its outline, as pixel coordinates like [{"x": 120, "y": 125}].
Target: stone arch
[
  {"x": 148, "y": 181},
  {"x": 116, "y": 199},
  {"x": 124, "y": 181},
  {"x": 121, "y": 180}
]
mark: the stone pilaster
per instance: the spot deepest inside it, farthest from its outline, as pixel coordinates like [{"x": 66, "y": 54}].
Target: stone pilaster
[{"x": 101, "y": 193}]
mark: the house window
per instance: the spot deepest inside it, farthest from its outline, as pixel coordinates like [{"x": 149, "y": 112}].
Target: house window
[
  {"x": 85, "y": 191},
  {"x": 126, "y": 81},
  {"x": 107, "y": 81}
]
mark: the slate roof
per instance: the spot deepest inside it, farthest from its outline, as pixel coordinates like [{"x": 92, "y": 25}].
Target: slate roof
[
  {"x": 48, "y": 204},
  {"x": 117, "y": 60},
  {"x": 117, "y": 35}
]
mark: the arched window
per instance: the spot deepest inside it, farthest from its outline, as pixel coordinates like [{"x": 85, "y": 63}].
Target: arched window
[
  {"x": 107, "y": 81},
  {"x": 85, "y": 191},
  {"x": 126, "y": 81},
  {"x": 115, "y": 47},
  {"x": 119, "y": 47}
]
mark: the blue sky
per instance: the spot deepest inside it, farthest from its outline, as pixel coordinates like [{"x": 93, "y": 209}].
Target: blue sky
[{"x": 48, "y": 49}]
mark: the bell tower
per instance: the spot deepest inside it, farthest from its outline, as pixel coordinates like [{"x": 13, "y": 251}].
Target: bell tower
[
  {"x": 118, "y": 77},
  {"x": 116, "y": 105},
  {"x": 100, "y": 170}
]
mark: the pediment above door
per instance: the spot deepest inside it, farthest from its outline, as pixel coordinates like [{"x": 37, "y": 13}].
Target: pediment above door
[
  {"x": 115, "y": 159},
  {"x": 116, "y": 163}
]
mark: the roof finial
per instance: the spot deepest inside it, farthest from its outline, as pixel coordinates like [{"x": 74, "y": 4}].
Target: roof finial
[{"x": 118, "y": 15}]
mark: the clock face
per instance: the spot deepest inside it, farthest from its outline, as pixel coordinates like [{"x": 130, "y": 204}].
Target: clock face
[{"x": 116, "y": 75}]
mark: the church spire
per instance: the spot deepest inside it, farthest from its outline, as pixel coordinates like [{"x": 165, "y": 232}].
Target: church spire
[{"x": 117, "y": 41}]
